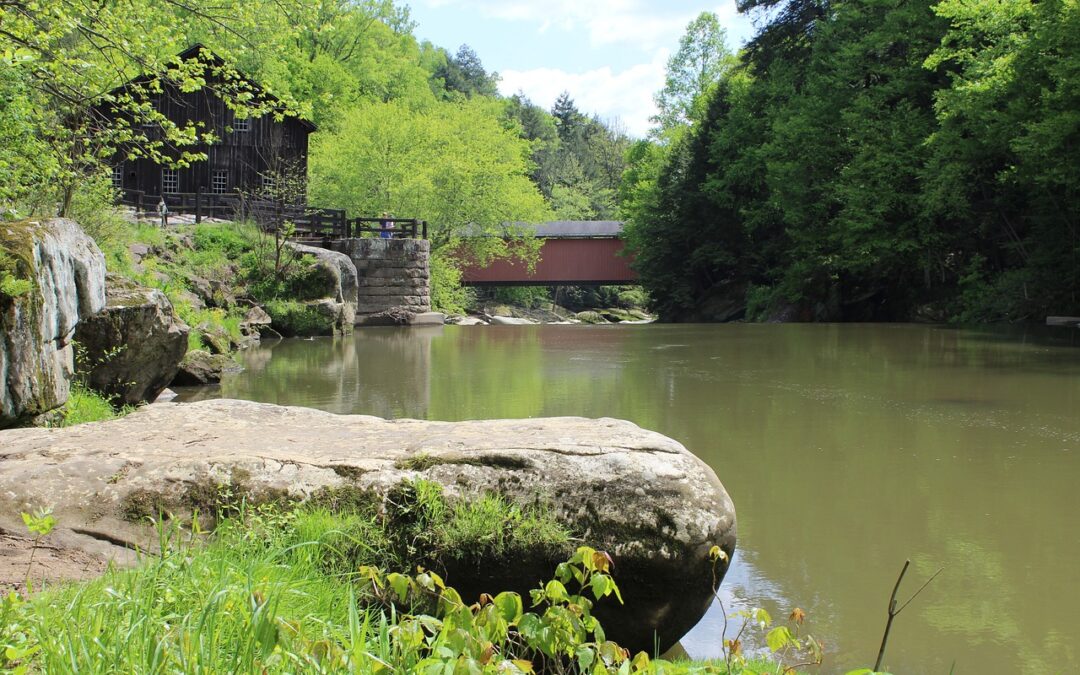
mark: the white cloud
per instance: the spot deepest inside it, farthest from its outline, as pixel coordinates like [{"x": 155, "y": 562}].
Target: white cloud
[
  {"x": 647, "y": 24},
  {"x": 625, "y": 96},
  {"x": 646, "y": 31}
]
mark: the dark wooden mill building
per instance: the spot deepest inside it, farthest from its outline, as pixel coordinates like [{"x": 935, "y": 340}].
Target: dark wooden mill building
[{"x": 249, "y": 157}]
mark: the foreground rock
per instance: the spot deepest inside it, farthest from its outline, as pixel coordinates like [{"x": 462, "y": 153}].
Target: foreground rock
[
  {"x": 639, "y": 495},
  {"x": 36, "y": 328},
  {"x": 132, "y": 349}
]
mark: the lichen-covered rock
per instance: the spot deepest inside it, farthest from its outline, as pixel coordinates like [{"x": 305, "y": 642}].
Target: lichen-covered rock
[
  {"x": 216, "y": 338},
  {"x": 340, "y": 315},
  {"x": 255, "y": 321},
  {"x": 132, "y": 348},
  {"x": 340, "y": 271},
  {"x": 200, "y": 367},
  {"x": 640, "y": 496},
  {"x": 590, "y": 317},
  {"x": 36, "y": 356}
]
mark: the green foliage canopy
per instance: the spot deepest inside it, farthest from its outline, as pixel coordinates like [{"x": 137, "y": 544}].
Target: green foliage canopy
[{"x": 871, "y": 160}]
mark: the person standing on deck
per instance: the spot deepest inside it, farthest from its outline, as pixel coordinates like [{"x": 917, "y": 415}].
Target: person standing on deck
[
  {"x": 387, "y": 225},
  {"x": 163, "y": 212}
]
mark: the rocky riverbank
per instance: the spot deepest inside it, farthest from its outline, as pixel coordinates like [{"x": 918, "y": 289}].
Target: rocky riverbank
[
  {"x": 517, "y": 315},
  {"x": 640, "y": 496}
]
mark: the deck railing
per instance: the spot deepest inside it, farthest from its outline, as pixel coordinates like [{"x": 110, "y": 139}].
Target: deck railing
[{"x": 312, "y": 224}]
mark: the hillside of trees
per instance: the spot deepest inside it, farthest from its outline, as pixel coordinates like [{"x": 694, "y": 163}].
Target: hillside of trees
[
  {"x": 856, "y": 160},
  {"x": 405, "y": 127},
  {"x": 867, "y": 160}
]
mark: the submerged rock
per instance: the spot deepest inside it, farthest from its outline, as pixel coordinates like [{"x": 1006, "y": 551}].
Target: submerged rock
[
  {"x": 498, "y": 320},
  {"x": 132, "y": 348},
  {"x": 67, "y": 271},
  {"x": 638, "y": 495}
]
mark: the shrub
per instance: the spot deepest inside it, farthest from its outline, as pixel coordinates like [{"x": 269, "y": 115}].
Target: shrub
[
  {"x": 529, "y": 297},
  {"x": 633, "y": 298},
  {"x": 296, "y": 319},
  {"x": 447, "y": 293}
]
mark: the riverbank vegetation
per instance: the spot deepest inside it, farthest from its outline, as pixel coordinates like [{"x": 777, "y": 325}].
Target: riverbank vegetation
[
  {"x": 275, "y": 590},
  {"x": 866, "y": 160},
  {"x": 85, "y": 405}
]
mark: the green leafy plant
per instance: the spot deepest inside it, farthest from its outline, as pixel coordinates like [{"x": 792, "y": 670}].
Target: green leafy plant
[
  {"x": 785, "y": 642},
  {"x": 496, "y": 634},
  {"x": 40, "y": 523}
]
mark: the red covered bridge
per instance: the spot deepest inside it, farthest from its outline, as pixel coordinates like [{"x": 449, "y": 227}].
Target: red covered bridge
[{"x": 573, "y": 252}]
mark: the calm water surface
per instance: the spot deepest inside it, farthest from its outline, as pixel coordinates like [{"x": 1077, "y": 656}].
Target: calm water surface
[{"x": 846, "y": 448}]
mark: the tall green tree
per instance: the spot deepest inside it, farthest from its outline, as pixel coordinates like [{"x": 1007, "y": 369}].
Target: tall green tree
[
  {"x": 464, "y": 74},
  {"x": 702, "y": 59},
  {"x": 456, "y": 166}
]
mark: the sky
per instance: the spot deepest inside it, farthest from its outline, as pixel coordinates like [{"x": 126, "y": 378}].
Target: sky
[{"x": 609, "y": 54}]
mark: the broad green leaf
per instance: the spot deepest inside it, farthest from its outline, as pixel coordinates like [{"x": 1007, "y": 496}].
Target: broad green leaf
[
  {"x": 778, "y": 638},
  {"x": 509, "y": 606},
  {"x": 400, "y": 583}
]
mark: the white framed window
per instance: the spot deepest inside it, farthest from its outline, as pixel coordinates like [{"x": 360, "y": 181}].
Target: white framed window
[
  {"x": 219, "y": 181},
  {"x": 170, "y": 180},
  {"x": 241, "y": 124},
  {"x": 118, "y": 176},
  {"x": 267, "y": 184}
]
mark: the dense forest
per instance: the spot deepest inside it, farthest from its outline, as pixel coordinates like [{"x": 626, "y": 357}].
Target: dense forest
[
  {"x": 856, "y": 160},
  {"x": 867, "y": 160},
  {"x": 405, "y": 127}
]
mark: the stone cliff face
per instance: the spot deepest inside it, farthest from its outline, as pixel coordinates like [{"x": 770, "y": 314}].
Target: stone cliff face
[{"x": 36, "y": 354}]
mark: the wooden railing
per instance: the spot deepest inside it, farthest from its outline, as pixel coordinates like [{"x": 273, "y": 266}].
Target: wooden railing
[{"x": 311, "y": 223}]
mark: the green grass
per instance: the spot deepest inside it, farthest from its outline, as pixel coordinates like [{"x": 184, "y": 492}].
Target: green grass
[
  {"x": 273, "y": 591},
  {"x": 422, "y": 521},
  {"x": 85, "y": 405},
  {"x": 491, "y": 525}
]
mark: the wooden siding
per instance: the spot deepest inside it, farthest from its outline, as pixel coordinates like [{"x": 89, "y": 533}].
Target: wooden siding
[{"x": 266, "y": 146}]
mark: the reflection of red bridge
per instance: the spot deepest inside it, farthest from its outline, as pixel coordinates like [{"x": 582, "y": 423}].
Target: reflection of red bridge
[{"x": 572, "y": 252}]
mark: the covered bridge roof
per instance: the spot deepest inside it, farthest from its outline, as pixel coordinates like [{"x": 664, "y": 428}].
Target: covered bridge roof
[{"x": 579, "y": 229}]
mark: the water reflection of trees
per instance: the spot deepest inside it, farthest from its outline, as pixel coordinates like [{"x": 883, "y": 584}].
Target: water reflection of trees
[{"x": 377, "y": 371}]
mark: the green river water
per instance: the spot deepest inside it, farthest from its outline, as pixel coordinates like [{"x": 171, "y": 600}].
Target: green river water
[{"x": 846, "y": 448}]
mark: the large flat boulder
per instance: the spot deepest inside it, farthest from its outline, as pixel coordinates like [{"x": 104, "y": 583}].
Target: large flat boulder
[
  {"x": 132, "y": 349},
  {"x": 36, "y": 356},
  {"x": 640, "y": 496}
]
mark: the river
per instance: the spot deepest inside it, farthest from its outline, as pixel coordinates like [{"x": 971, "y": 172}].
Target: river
[{"x": 846, "y": 448}]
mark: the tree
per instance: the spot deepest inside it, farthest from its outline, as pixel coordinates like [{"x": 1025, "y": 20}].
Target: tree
[
  {"x": 65, "y": 60},
  {"x": 456, "y": 165},
  {"x": 464, "y": 74},
  {"x": 702, "y": 59}
]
